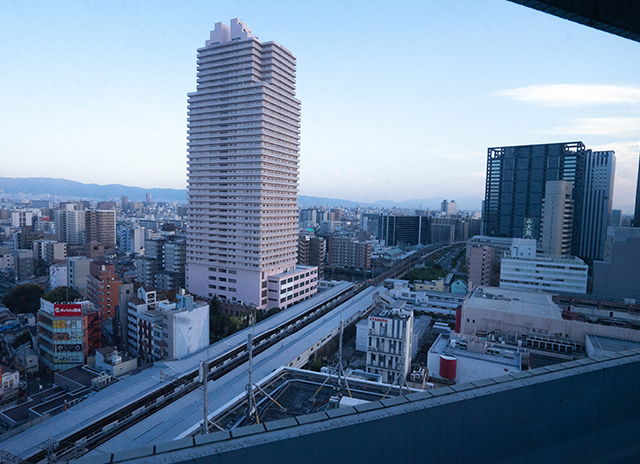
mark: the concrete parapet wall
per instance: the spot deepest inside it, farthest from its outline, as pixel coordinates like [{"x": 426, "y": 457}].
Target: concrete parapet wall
[{"x": 579, "y": 411}]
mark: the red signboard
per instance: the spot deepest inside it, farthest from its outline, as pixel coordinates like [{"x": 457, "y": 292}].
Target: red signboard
[
  {"x": 67, "y": 310},
  {"x": 378, "y": 319}
]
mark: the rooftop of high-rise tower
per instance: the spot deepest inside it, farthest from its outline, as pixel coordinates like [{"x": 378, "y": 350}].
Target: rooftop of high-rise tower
[{"x": 223, "y": 33}]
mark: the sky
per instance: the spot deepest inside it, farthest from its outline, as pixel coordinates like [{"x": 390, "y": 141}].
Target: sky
[{"x": 399, "y": 100}]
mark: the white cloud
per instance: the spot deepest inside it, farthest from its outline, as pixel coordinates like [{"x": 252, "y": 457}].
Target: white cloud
[
  {"x": 599, "y": 126},
  {"x": 573, "y": 94}
]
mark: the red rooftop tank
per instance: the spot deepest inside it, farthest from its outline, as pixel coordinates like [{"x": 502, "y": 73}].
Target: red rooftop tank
[{"x": 448, "y": 366}]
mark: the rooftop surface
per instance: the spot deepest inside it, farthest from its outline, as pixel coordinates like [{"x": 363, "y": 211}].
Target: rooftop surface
[
  {"x": 613, "y": 345},
  {"x": 514, "y": 301},
  {"x": 508, "y": 355}
]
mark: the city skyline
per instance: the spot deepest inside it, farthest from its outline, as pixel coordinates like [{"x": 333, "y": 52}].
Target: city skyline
[{"x": 411, "y": 117}]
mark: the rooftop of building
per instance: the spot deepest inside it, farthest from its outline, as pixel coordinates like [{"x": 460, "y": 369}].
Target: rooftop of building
[
  {"x": 547, "y": 259},
  {"x": 611, "y": 345},
  {"x": 486, "y": 238},
  {"x": 462, "y": 346},
  {"x": 79, "y": 374},
  {"x": 107, "y": 351},
  {"x": 6, "y": 369},
  {"x": 396, "y": 310},
  {"x": 514, "y": 301},
  {"x": 294, "y": 392}
]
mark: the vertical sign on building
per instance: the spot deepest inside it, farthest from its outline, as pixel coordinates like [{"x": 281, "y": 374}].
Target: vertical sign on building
[{"x": 528, "y": 228}]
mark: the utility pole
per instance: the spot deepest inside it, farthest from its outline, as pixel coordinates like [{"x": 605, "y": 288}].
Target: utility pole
[
  {"x": 251, "y": 400},
  {"x": 204, "y": 379},
  {"x": 340, "y": 371}
]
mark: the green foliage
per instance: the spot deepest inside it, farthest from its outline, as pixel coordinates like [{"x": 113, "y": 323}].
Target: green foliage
[
  {"x": 424, "y": 273},
  {"x": 21, "y": 339},
  {"x": 316, "y": 366},
  {"x": 59, "y": 295},
  {"x": 221, "y": 325},
  {"x": 437, "y": 266},
  {"x": 264, "y": 315},
  {"x": 23, "y": 298}
]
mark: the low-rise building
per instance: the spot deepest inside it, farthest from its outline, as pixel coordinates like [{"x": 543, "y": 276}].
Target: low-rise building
[
  {"x": 110, "y": 361},
  {"x": 159, "y": 329},
  {"x": 288, "y": 288},
  {"x": 536, "y": 316},
  {"x": 429, "y": 285},
  {"x": 547, "y": 274},
  {"x": 461, "y": 358},
  {"x": 525, "y": 271},
  {"x": 10, "y": 379},
  {"x": 185, "y": 326},
  {"x": 459, "y": 287}
]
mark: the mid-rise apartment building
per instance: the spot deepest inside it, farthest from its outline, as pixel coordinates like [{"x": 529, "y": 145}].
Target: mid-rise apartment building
[
  {"x": 78, "y": 273},
  {"x": 348, "y": 252},
  {"x": 69, "y": 225},
  {"x": 103, "y": 288},
  {"x": 100, "y": 226},
  {"x": 481, "y": 266},
  {"x": 49, "y": 250},
  {"x": 390, "y": 342},
  {"x": 68, "y": 333}
]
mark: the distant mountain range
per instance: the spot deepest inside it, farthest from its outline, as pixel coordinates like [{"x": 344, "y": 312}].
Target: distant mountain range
[
  {"x": 46, "y": 187},
  {"x": 466, "y": 203},
  {"x": 57, "y": 189}
]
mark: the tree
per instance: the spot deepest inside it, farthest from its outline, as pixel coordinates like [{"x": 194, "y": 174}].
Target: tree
[
  {"x": 40, "y": 267},
  {"x": 23, "y": 298},
  {"x": 62, "y": 295},
  {"x": 264, "y": 315}
]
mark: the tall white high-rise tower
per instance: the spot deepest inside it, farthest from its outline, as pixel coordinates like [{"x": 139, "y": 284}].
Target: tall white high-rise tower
[{"x": 243, "y": 144}]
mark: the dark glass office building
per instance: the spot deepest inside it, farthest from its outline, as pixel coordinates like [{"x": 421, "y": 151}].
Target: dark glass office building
[
  {"x": 401, "y": 230},
  {"x": 516, "y": 178}
]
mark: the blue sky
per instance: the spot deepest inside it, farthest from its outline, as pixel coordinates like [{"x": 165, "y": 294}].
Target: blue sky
[{"x": 399, "y": 101}]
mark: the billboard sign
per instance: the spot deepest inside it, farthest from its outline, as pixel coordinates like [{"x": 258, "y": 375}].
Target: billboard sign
[{"x": 67, "y": 310}]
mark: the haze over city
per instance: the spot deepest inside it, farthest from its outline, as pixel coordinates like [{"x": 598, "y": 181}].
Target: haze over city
[{"x": 399, "y": 102}]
